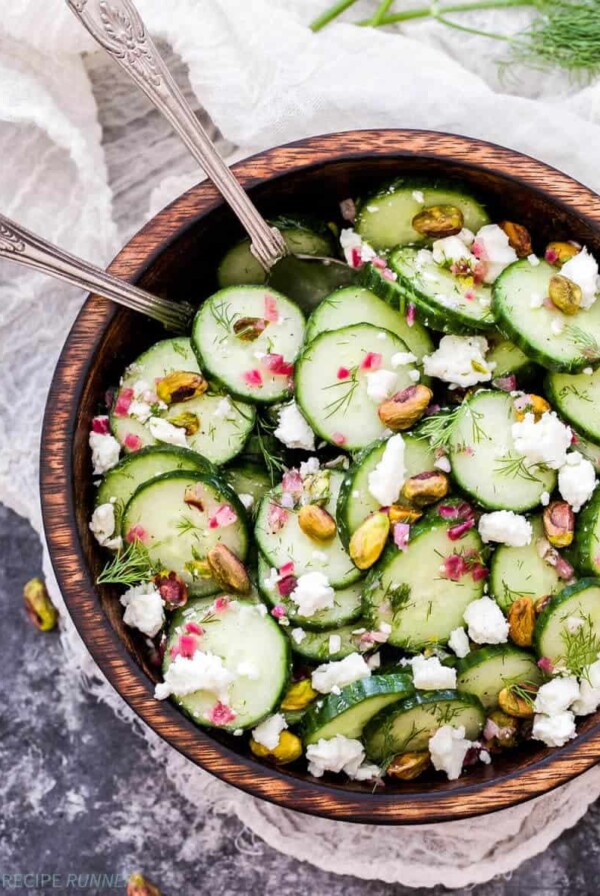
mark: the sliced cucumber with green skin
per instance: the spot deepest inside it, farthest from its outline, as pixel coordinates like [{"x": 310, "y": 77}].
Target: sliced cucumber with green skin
[
  {"x": 177, "y": 534},
  {"x": 348, "y": 712},
  {"x": 357, "y": 305},
  {"x": 589, "y": 449},
  {"x": 586, "y": 553},
  {"x": 385, "y": 219},
  {"x": 576, "y": 397},
  {"x": 284, "y": 541},
  {"x": 219, "y": 437},
  {"x": 355, "y": 502},
  {"x": 521, "y": 572},
  {"x": 553, "y": 639},
  {"x": 347, "y": 603},
  {"x": 309, "y": 282},
  {"x": 576, "y": 346},
  {"x": 236, "y": 361},
  {"x": 409, "y": 591},
  {"x": 239, "y": 266},
  {"x": 436, "y": 291},
  {"x": 509, "y": 360},
  {"x": 238, "y": 633},
  {"x": 120, "y": 483},
  {"x": 407, "y": 726},
  {"x": 248, "y": 479},
  {"x": 484, "y": 462},
  {"x": 331, "y": 383},
  {"x": 315, "y": 647},
  {"x": 485, "y": 672}
]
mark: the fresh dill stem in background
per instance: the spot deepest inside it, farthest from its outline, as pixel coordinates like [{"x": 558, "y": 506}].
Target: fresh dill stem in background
[
  {"x": 581, "y": 648},
  {"x": 129, "y": 567},
  {"x": 273, "y": 462},
  {"x": 562, "y": 33},
  {"x": 439, "y": 427}
]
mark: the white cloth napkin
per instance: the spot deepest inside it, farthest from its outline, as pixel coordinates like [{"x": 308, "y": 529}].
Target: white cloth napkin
[{"x": 264, "y": 78}]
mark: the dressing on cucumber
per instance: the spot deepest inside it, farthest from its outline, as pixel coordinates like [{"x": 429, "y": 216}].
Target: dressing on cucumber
[{"x": 485, "y": 672}]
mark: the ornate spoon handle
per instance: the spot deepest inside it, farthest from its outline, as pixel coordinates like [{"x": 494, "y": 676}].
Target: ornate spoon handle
[
  {"x": 117, "y": 26},
  {"x": 26, "y": 248}
]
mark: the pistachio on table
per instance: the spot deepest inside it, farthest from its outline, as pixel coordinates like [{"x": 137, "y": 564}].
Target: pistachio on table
[
  {"x": 38, "y": 606},
  {"x": 138, "y": 885}
]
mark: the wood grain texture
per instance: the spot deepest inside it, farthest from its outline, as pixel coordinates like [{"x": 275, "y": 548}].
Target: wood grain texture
[{"x": 175, "y": 255}]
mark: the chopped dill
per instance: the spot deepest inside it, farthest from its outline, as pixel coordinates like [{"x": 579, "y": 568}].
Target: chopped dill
[
  {"x": 581, "y": 647},
  {"x": 130, "y": 566},
  {"x": 514, "y": 467},
  {"x": 342, "y": 402}
]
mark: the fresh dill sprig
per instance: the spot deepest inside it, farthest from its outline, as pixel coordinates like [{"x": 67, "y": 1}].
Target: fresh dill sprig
[
  {"x": 342, "y": 402},
  {"x": 223, "y": 315},
  {"x": 273, "y": 462},
  {"x": 185, "y": 525},
  {"x": 514, "y": 467},
  {"x": 581, "y": 647},
  {"x": 439, "y": 428},
  {"x": 130, "y": 566},
  {"x": 582, "y": 340},
  {"x": 571, "y": 389},
  {"x": 523, "y": 690},
  {"x": 398, "y": 597}
]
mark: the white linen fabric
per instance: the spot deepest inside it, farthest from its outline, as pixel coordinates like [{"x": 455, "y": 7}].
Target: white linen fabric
[{"x": 264, "y": 79}]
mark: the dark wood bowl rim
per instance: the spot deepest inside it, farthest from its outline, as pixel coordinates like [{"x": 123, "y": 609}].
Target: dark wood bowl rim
[{"x": 463, "y": 799}]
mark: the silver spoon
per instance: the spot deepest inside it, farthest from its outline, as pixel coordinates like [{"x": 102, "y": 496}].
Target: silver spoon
[
  {"x": 118, "y": 27},
  {"x": 24, "y": 247}
]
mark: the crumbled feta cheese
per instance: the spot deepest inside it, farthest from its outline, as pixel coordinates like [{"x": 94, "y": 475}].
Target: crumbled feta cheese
[
  {"x": 352, "y": 244},
  {"x": 485, "y": 622},
  {"x": 418, "y": 196},
  {"x": 309, "y": 467},
  {"x": 298, "y": 634},
  {"x": 505, "y": 527},
  {"x": 140, "y": 410},
  {"x": 576, "y": 480},
  {"x": 337, "y": 754},
  {"x": 335, "y": 643},
  {"x": 582, "y": 269},
  {"x": 144, "y": 609},
  {"x": 385, "y": 628},
  {"x": 430, "y": 675},
  {"x": 557, "y": 326},
  {"x": 460, "y": 360},
  {"x": 267, "y": 733},
  {"x": 105, "y": 452},
  {"x": 247, "y": 500},
  {"x": 338, "y": 674},
  {"x": 545, "y": 499},
  {"x": 492, "y": 248},
  {"x": 382, "y": 335},
  {"x": 451, "y": 249},
  {"x": 225, "y": 410},
  {"x": 545, "y": 442},
  {"x": 401, "y": 359},
  {"x": 459, "y": 642},
  {"x": 103, "y": 526},
  {"x": 555, "y": 730},
  {"x": 272, "y": 580},
  {"x": 386, "y": 480},
  {"x": 536, "y": 300},
  {"x": 557, "y": 695},
  {"x": 374, "y": 661},
  {"x": 312, "y": 593},
  {"x": 533, "y": 260},
  {"x": 588, "y": 371},
  {"x": 163, "y": 431},
  {"x": 443, "y": 463},
  {"x": 573, "y": 624},
  {"x": 247, "y": 670},
  {"x": 293, "y": 430},
  {"x": 589, "y": 691},
  {"x": 367, "y": 772},
  {"x": 319, "y": 557},
  {"x": 201, "y": 672},
  {"x": 381, "y": 384},
  {"x": 467, "y": 236},
  {"x": 448, "y": 748},
  {"x": 414, "y": 375}
]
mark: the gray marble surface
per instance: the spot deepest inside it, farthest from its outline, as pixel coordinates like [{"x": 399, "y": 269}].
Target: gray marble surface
[{"x": 80, "y": 793}]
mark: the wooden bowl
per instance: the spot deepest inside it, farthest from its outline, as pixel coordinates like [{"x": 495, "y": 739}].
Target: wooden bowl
[{"x": 174, "y": 255}]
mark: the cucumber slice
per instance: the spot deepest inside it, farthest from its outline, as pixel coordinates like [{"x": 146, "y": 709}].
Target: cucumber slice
[
  {"x": 586, "y": 554},
  {"x": 385, "y": 219},
  {"x": 239, "y": 266},
  {"x": 356, "y": 305},
  {"x": 316, "y": 646},
  {"x": 346, "y": 608},
  {"x": 553, "y": 637},
  {"x": 486, "y": 671},
  {"x": 348, "y": 712},
  {"x": 521, "y": 572},
  {"x": 441, "y": 296},
  {"x": 236, "y": 362},
  {"x": 408, "y": 725},
  {"x": 219, "y": 436},
  {"x": 576, "y": 346},
  {"x": 576, "y": 397},
  {"x": 509, "y": 359},
  {"x": 239, "y": 634},
  {"x": 355, "y": 502},
  {"x": 339, "y": 409},
  {"x": 178, "y": 535},
  {"x": 248, "y": 479},
  {"x": 484, "y": 462},
  {"x": 281, "y": 544},
  {"x": 588, "y": 448},
  {"x": 308, "y": 282},
  {"x": 408, "y": 590},
  {"x": 119, "y": 484}
]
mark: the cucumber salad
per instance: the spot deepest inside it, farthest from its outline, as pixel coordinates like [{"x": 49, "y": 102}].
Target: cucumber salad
[{"x": 364, "y": 533}]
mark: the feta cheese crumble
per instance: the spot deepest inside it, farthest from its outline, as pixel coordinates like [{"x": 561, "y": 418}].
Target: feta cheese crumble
[
  {"x": 459, "y": 642},
  {"x": 386, "y": 480},
  {"x": 247, "y": 500},
  {"x": 485, "y": 622},
  {"x": 202, "y": 672},
  {"x": 505, "y": 527},
  {"x": 312, "y": 593},
  {"x": 451, "y": 249},
  {"x": 293, "y": 430},
  {"x": 298, "y": 635},
  {"x": 430, "y": 675},
  {"x": 401, "y": 359},
  {"x": 163, "y": 431},
  {"x": 381, "y": 384},
  {"x": 492, "y": 247},
  {"x": 589, "y": 691},
  {"x": 353, "y": 245},
  {"x": 337, "y": 754},
  {"x": 460, "y": 360},
  {"x": 545, "y": 442},
  {"x": 582, "y": 269},
  {"x": 331, "y": 677},
  {"x": 576, "y": 480},
  {"x": 448, "y": 748},
  {"x": 105, "y": 452},
  {"x": 554, "y": 730},
  {"x": 556, "y": 696},
  {"x": 102, "y": 525},
  {"x": 225, "y": 410},
  {"x": 144, "y": 609},
  {"x": 267, "y": 733}
]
